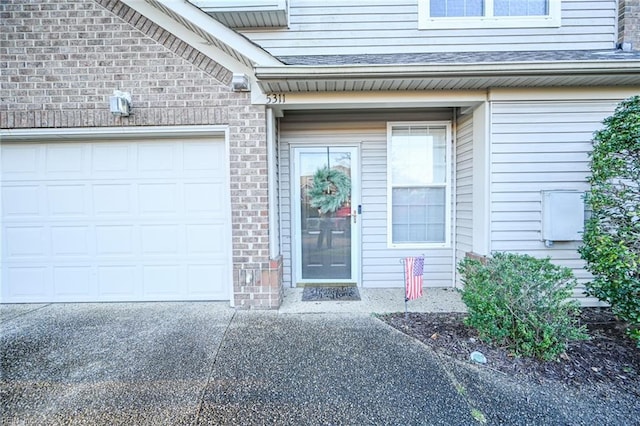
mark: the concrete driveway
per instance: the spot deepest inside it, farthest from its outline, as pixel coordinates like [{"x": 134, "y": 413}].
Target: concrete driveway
[{"x": 204, "y": 363}]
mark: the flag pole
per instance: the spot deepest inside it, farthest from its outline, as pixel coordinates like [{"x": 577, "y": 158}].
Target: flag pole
[
  {"x": 404, "y": 279},
  {"x": 415, "y": 293}
]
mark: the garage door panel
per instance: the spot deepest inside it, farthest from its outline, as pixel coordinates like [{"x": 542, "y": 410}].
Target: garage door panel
[
  {"x": 202, "y": 198},
  {"x": 73, "y": 283},
  {"x": 153, "y": 158},
  {"x": 114, "y": 240},
  {"x": 157, "y": 198},
  {"x": 204, "y": 157},
  {"x": 111, "y": 159},
  {"x": 67, "y": 200},
  {"x": 70, "y": 240},
  {"x": 159, "y": 239},
  {"x": 118, "y": 282},
  {"x": 202, "y": 239},
  {"x": 199, "y": 278},
  {"x": 21, "y": 201},
  {"x": 112, "y": 198},
  {"x": 25, "y": 242},
  {"x": 27, "y": 283},
  {"x": 20, "y": 162},
  {"x": 115, "y": 221},
  {"x": 162, "y": 281},
  {"x": 65, "y": 160}
]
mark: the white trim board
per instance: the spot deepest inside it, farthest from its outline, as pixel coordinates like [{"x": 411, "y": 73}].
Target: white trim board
[
  {"x": 559, "y": 93},
  {"x": 10, "y": 135}
]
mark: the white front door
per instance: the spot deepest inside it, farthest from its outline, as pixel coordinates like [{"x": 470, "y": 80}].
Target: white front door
[{"x": 326, "y": 214}]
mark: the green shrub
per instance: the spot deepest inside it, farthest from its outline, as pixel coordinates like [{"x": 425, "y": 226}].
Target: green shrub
[
  {"x": 612, "y": 234},
  {"x": 522, "y": 303}
]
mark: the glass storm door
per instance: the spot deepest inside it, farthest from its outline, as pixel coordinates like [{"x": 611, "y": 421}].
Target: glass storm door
[{"x": 326, "y": 212}]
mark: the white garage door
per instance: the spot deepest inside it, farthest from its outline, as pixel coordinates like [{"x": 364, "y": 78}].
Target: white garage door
[{"x": 115, "y": 221}]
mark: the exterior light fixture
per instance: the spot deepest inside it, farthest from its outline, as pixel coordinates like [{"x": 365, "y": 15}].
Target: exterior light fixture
[
  {"x": 120, "y": 103},
  {"x": 240, "y": 83}
]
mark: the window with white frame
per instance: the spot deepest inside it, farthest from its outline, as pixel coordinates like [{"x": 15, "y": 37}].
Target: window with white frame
[
  {"x": 488, "y": 13},
  {"x": 418, "y": 184}
]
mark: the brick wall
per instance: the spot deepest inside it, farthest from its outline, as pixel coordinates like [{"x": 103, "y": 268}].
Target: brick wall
[
  {"x": 629, "y": 23},
  {"x": 60, "y": 60}
]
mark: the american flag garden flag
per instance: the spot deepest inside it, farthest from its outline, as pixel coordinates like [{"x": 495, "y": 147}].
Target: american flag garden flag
[{"x": 413, "y": 270}]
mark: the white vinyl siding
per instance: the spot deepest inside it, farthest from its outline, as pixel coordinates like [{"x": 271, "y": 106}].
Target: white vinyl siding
[
  {"x": 464, "y": 187},
  {"x": 539, "y": 146},
  {"x": 329, "y": 27},
  {"x": 381, "y": 266}
]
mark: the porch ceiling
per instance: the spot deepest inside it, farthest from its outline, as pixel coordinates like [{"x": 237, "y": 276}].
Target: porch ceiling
[{"x": 468, "y": 76}]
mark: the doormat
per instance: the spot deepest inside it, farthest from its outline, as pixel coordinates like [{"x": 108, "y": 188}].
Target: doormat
[{"x": 319, "y": 294}]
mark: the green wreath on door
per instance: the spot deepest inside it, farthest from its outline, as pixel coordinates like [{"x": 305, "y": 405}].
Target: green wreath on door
[{"x": 331, "y": 188}]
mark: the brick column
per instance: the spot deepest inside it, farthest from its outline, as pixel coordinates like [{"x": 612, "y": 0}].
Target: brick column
[
  {"x": 629, "y": 24},
  {"x": 257, "y": 278}
]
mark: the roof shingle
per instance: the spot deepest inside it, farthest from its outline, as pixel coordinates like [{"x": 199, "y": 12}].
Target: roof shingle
[{"x": 462, "y": 57}]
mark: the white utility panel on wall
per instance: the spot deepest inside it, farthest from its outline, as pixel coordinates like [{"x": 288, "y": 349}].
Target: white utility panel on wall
[{"x": 562, "y": 215}]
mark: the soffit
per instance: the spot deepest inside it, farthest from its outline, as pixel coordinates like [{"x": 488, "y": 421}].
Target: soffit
[
  {"x": 451, "y": 71},
  {"x": 248, "y": 13}
]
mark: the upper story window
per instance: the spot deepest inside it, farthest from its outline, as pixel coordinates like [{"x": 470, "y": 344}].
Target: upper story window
[{"x": 488, "y": 13}]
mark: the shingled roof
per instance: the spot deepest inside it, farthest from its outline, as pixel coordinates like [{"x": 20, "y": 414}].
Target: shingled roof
[{"x": 462, "y": 57}]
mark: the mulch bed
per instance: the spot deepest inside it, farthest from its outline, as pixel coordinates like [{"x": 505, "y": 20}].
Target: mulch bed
[{"x": 608, "y": 358}]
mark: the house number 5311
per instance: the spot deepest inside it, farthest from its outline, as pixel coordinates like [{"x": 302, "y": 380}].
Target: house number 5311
[{"x": 276, "y": 98}]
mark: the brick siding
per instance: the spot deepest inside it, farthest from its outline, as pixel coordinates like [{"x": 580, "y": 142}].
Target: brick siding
[
  {"x": 629, "y": 23},
  {"x": 60, "y": 60}
]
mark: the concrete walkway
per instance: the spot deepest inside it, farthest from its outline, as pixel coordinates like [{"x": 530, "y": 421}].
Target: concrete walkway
[
  {"x": 204, "y": 363},
  {"x": 378, "y": 300}
]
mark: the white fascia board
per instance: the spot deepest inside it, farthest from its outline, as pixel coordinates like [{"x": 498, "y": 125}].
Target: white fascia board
[
  {"x": 562, "y": 93},
  {"x": 381, "y": 99},
  {"x": 14, "y": 135},
  {"x": 350, "y": 72},
  {"x": 188, "y": 36},
  {"x": 224, "y": 34}
]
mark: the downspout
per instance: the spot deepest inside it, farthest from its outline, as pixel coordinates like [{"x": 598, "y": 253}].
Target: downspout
[
  {"x": 454, "y": 192},
  {"x": 488, "y": 177},
  {"x": 279, "y": 157},
  {"x": 271, "y": 186}
]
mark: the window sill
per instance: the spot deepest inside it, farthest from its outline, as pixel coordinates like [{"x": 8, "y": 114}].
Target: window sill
[
  {"x": 488, "y": 22},
  {"x": 413, "y": 246}
]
